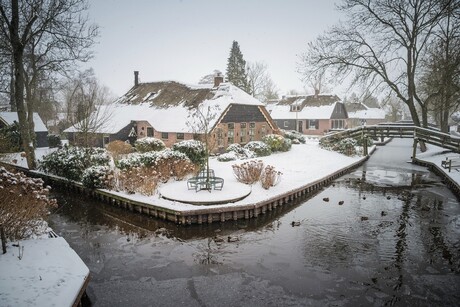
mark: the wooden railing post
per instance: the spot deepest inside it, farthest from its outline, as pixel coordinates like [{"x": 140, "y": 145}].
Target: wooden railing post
[{"x": 414, "y": 149}]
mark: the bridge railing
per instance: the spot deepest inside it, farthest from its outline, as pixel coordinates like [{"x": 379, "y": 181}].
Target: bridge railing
[{"x": 427, "y": 135}]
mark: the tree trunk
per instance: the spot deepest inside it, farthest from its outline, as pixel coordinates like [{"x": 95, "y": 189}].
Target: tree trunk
[
  {"x": 18, "y": 63},
  {"x": 3, "y": 238}
]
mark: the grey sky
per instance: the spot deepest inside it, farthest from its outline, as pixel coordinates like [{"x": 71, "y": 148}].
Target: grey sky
[{"x": 185, "y": 40}]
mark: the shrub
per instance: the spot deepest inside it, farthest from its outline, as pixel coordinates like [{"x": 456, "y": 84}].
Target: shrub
[
  {"x": 270, "y": 177},
  {"x": 240, "y": 152},
  {"x": 23, "y": 206},
  {"x": 360, "y": 141},
  {"x": 260, "y": 149},
  {"x": 143, "y": 180},
  {"x": 167, "y": 163},
  {"x": 228, "y": 156},
  {"x": 149, "y": 144},
  {"x": 277, "y": 142},
  {"x": 54, "y": 140},
  {"x": 70, "y": 162},
  {"x": 10, "y": 139},
  {"x": 98, "y": 177},
  {"x": 249, "y": 172},
  {"x": 295, "y": 136},
  {"x": 119, "y": 148},
  {"x": 195, "y": 151},
  {"x": 346, "y": 146}
]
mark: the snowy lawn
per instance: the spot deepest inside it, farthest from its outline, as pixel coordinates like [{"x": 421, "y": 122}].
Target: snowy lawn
[
  {"x": 303, "y": 164},
  {"x": 49, "y": 273},
  {"x": 435, "y": 155}
]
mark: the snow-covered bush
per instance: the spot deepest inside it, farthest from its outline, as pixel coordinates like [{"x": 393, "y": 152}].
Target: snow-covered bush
[
  {"x": 98, "y": 176},
  {"x": 168, "y": 163},
  {"x": 294, "y": 136},
  {"x": 228, "y": 156},
  {"x": 143, "y": 180},
  {"x": 240, "y": 151},
  {"x": 360, "y": 141},
  {"x": 249, "y": 172},
  {"x": 24, "y": 204},
  {"x": 195, "y": 150},
  {"x": 260, "y": 149},
  {"x": 119, "y": 148},
  {"x": 277, "y": 142},
  {"x": 149, "y": 144},
  {"x": 70, "y": 162},
  {"x": 270, "y": 177}
]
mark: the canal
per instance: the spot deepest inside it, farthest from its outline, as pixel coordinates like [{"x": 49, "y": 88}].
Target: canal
[{"x": 388, "y": 233}]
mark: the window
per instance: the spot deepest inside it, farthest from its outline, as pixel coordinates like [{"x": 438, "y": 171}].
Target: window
[
  {"x": 243, "y": 133},
  {"x": 295, "y": 108},
  {"x": 312, "y": 124},
  {"x": 338, "y": 124},
  {"x": 252, "y": 129},
  {"x": 286, "y": 124},
  {"x": 231, "y": 134},
  {"x": 220, "y": 137},
  {"x": 105, "y": 140},
  {"x": 264, "y": 130},
  {"x": 179, "y": 136},
  {"x": 164, "y": 135},
  {"x": 150, "y": 131}
]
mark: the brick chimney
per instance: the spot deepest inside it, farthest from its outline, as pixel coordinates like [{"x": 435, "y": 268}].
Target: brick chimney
[
  {"x": 136, "y": 78},
  {"x": 218, "y": 79}
]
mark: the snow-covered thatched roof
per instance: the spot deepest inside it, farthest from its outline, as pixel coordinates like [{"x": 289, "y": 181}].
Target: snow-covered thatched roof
[
  {"x": 362, "y": 111},
  {"x": 169, "y": 106},
  {"x": 310, "y": 107}
]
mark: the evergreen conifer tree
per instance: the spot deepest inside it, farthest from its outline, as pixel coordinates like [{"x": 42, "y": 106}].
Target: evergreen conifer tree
[{"x": 236, "y": 68}]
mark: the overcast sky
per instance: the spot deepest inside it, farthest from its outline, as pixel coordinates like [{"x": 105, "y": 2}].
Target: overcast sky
[{"x": 183, "y": 40}]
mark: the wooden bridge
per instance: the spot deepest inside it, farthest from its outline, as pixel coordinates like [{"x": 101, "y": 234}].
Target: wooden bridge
[{"x": 419, "y": 134}]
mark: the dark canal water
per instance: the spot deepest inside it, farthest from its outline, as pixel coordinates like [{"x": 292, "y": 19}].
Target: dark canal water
[{"x": 395, "y": 240}]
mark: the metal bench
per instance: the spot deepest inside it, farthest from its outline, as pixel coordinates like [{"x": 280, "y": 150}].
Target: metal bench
[
  {"x": 451, "y": 162},
  {"x": 205, "y": 181}
]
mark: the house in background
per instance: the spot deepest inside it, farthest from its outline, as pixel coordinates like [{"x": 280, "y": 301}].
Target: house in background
[
  {"x": 41, "y": 132},
  {"x": 166, "y": 110},
  {"x": 311, "y": 114},
  {"x": 360, "y": 115}
]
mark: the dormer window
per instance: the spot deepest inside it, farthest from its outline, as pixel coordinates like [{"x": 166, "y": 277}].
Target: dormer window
[{"x": 295, "y": 108}]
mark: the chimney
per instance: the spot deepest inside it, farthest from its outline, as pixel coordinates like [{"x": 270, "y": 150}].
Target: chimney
[
  {"x": 316, "y": 93},
  {"x": 218, "y": 79},
  {"x": 136, "y": 78}
]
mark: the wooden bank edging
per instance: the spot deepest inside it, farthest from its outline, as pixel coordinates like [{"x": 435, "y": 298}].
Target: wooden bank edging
[
  {"x": 202, "y": 214},
  {"x": 452, "y": 184}
]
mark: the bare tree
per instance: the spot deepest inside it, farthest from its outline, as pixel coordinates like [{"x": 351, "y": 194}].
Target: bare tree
[
  {"x": 261, "y": 85},
  {"x": 59, "y": 27},
  {"x": 201, "y": 121},
  {"x": 88, "y": 106},
  {"x": 440, "y": 82},
  {"x": 380, "y": 43}
]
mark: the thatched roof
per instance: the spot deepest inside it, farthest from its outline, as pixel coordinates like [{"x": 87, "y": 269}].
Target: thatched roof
[{"x": 166, "y": 94}]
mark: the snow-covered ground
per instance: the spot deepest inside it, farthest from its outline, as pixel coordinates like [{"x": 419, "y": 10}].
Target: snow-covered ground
[{"x": 41, "y": 272}]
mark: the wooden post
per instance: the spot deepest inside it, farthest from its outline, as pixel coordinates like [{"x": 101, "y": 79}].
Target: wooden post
[
  {"x": 3, "y": 238},
  {"x": 414, "y": 149},
  {"x": 365, "y": 151}
]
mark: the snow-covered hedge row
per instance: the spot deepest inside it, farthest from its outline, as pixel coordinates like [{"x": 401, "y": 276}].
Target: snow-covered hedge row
[
  {"x": 150, "y": 158},
  {"x": 71, "y": 162},
  {"x": 195, "y": 150},
  {"x": 149, "y": 144}
]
